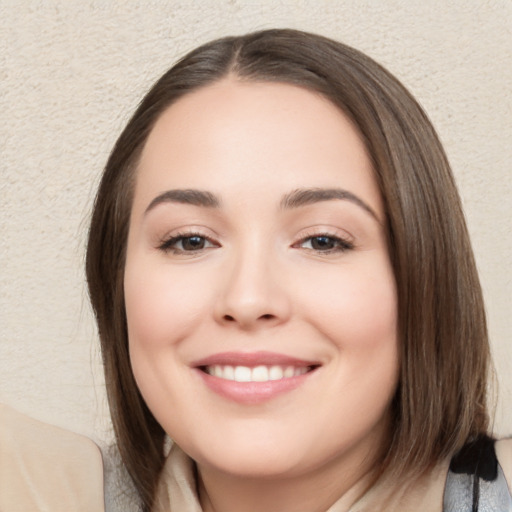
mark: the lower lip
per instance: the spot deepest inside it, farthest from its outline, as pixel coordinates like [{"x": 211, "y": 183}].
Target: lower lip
[{"x": 252, "y": 392}]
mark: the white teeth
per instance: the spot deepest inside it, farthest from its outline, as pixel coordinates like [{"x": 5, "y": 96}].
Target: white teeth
[
  {"x": 228, "y": 373},
  {"x": 275, "y": 373},
  {"x": 289, "y": 372},
  {"x": 242, "y": 374},
  {"x": 260, "y": 374},
  {"x": 257, "y": 374}
]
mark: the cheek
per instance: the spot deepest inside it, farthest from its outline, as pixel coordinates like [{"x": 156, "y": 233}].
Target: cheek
[
  {"x": 358, "y": 315},
  {"x": 162, "y": 307},
  {"x": 357, "y": 308}
]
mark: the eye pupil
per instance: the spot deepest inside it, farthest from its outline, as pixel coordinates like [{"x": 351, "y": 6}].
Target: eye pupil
[
  {"x": 322, "y": 242},
  {"x": 193, "y": 243}
]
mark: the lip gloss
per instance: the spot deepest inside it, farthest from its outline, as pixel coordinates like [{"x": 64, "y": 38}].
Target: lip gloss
[{"x": 218, "y": 374}]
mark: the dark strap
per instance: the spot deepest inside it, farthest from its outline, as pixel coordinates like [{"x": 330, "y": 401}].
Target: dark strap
[
  {"x": 477, "y": 458},
  {"x": 475, "y": 481}
]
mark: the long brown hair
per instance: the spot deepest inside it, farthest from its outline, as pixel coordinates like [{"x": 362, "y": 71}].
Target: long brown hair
[{"x": 440, "y": 402}]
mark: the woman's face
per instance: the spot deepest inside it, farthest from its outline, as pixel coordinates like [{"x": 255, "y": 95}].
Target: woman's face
[{"x": 260, "y": 300}]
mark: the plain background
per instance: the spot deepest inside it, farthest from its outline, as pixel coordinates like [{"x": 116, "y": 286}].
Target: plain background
[{"x": 71, "y": 73}]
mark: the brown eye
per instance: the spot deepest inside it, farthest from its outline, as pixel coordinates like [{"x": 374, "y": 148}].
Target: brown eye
[
  {"x": 192, "y": 243},
  {"x": 325, "y": 244},
  {"x": 182, "y": 244}
]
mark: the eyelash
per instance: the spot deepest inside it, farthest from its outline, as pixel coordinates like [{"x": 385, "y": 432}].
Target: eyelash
[
  {"x": 339, "y": 244},
  {"x": 169, "y": 245}
]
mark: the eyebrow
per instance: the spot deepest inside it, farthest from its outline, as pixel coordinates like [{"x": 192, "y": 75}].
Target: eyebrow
[
  {"x": 186, "y": 196},
  {"x": 294, "y": 199},
  {"x": 307, "y": 196}
]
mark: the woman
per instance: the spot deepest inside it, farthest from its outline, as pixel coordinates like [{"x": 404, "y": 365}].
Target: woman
[{"x": 284, "y": 285}]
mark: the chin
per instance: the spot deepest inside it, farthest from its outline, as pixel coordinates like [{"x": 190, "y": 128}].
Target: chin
[
  {"x": 249, "y": 458},
  {"x": 250, "y": 465}
]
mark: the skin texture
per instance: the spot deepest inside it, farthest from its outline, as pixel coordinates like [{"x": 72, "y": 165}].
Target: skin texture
[{"x": 263, "y": 281}]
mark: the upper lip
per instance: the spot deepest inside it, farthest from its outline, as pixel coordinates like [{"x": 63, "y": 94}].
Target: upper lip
[{"x": 251, "y": 359}]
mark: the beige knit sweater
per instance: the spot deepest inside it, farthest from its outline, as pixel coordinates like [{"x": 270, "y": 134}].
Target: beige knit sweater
[
  {"x": 47, "y": 469},
  {"x": 177, "y": 488}
]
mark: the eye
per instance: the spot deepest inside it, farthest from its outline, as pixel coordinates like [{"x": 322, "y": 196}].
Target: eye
[
  {"x": 187, "y": 243},
  {"x": 325, "y": 243}
]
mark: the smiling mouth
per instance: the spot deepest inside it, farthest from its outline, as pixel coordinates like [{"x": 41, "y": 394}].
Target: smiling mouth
[
  {"x": 261, "y": 373},
  {"x": 251, "y": 378}
]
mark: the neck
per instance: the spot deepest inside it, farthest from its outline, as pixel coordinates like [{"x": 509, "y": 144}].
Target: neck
[{"x": 342, "y": 481}]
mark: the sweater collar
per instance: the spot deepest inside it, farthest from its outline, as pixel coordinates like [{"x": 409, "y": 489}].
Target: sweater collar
[{"x": 177, "y": 490}]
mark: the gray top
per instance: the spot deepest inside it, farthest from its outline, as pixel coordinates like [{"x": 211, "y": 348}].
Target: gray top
[{"x": 469, "y": 492}]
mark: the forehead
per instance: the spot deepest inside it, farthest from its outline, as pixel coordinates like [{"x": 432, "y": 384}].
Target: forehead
[{"x": 232, "y": 135}]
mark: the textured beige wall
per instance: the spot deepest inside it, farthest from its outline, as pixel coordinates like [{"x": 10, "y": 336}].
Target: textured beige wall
[{"x": 72, "y": 71}]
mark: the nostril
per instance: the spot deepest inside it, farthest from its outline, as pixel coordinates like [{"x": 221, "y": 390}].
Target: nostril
[{"x": 231, "y": 318}]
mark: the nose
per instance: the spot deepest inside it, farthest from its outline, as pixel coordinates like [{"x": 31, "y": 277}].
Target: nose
[{"x": 253, "y": 293}]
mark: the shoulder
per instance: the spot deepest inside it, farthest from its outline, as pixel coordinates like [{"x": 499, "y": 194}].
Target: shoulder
[
  {"x": 43, "y": 467},
  {"x": 504, "y": 454}
]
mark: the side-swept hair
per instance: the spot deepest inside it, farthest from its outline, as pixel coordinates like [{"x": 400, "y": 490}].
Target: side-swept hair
[{"x": 440, "y": 402}]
